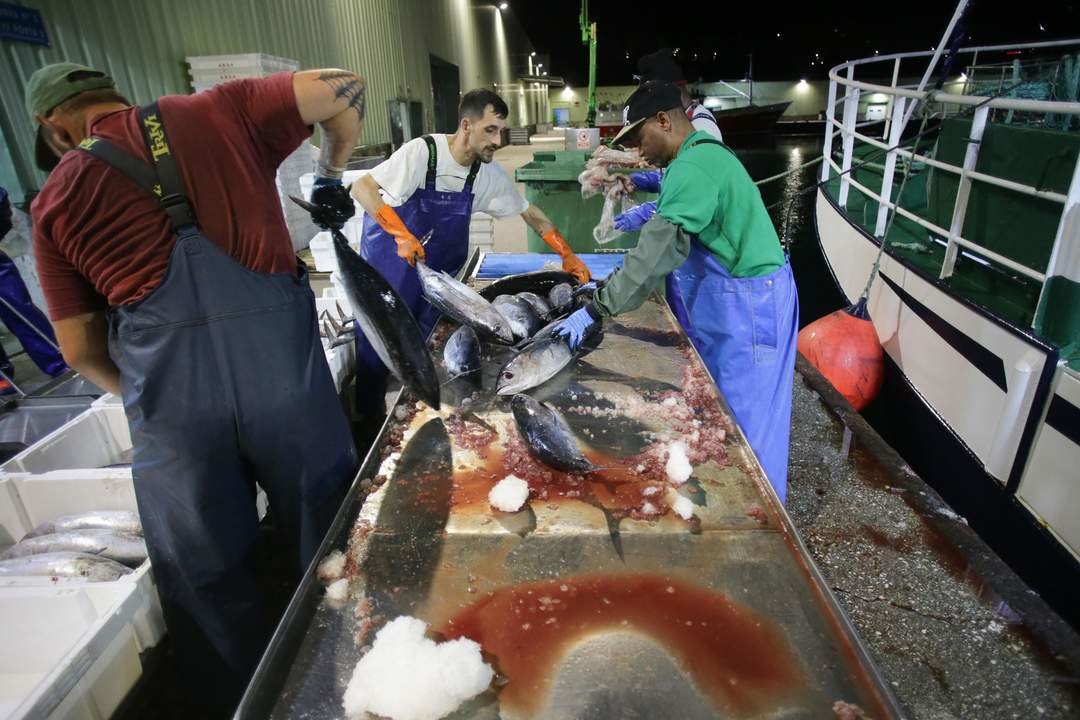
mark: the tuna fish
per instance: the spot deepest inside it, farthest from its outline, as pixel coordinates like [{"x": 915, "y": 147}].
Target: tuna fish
[
  {"x": 551, "y": 441},
  {"x": 523, "y": 320},
  {"x": 540, "y": 361},
  {"x": 458, "y": 301},
  {"x": 385, "y": 320},
  {"x": 539, "y": 281},
  {"x": 117, "y": 521},
  {"x": 561, "y": 298},
  {"x": 547, "y": 435},
  {"x": 125, "y": 548},
  {"x": 539, "y": 305},
  {"x": 461, "y": 354},
  {"x": 66, "y": 565}
]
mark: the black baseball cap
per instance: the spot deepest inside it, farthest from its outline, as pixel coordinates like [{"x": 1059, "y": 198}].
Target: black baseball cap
[
  {"x": 650, "y": 98},
  {"x": 660, "y": 65}
]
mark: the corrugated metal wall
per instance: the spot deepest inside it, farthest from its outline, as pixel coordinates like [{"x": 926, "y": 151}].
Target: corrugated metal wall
[{"x": 143, "y": 43}]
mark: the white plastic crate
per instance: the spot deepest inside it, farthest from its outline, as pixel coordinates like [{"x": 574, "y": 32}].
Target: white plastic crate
[
  {"x": 97, "y": 438},
  {"x": 70, "y": 652},
  {"x": 242, "y": 60},
  {"x": 322, "y": 245}
]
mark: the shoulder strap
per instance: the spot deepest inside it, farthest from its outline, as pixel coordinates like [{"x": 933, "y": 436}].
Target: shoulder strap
[
  {"x": 128, "y": 165},
  {"x": 432, "y": 161},
  {"x": 712, "y": 141},
  {"x": 174, "y": 200},
  {"x": 473, "y": 171}
]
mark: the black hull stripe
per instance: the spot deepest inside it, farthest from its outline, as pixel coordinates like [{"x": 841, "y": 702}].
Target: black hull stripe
[
  {"x": 1064, "y": 417},
  {"x": 985, "y": 361}
]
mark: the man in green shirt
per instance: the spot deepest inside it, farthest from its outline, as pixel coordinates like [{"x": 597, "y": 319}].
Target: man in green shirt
[{"x": 712, "y": 231}]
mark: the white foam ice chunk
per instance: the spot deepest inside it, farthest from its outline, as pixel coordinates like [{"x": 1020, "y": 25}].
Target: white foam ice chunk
[
  {"x": 338, "y": 590},
  {"x": 332, "y": 567},
  {"x": 683, "y": 507},
  {"x": 648, "y": 509},
  {"x": 670, "y": 402},
  {"x": 389, "y": 465},
  {"x": 509, "y": 494},
  {"x": 678, "y": 466},
  {"x": 406, "y": 676},
  {"x": 650, "y": 491}
]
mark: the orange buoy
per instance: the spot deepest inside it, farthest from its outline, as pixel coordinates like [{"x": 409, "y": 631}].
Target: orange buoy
[{"x": 844, "y": 347}]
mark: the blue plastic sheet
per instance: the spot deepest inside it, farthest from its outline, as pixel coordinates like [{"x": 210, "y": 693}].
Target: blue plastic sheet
[{"x": 497, "y": 265}]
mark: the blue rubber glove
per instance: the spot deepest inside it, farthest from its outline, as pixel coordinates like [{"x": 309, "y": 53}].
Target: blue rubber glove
[
  {"x": 575, "y": 327},
  {"x": 647, "y": 180},
  {"x": 635, "y": 217}
]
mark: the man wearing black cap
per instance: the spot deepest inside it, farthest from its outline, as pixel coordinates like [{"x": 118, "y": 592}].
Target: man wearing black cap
[
  {"x": 661, "y": 66},
  {"x": 712, "y": 231}
]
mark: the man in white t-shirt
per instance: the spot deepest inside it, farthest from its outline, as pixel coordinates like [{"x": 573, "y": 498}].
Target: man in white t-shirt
[
  {"x": 434, "y": 184},
  {"x": 468, "y": 152}
]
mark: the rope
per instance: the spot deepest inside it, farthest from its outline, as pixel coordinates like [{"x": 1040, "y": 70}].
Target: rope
[{"x": 792, "y": 171}]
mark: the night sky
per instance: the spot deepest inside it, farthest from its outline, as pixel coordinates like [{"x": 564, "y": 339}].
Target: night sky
[{"x": 783, "y": 37}]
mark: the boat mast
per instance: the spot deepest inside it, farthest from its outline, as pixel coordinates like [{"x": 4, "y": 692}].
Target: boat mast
[{"x": 750, "y": 76}]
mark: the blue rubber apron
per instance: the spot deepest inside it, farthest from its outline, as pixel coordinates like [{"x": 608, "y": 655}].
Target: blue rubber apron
[
  {"x": 29, "y": 324},
  {"x": 448, "y": 215},
  {"x": 225, "y": 384},
  {"x": 745, "y": 329}
]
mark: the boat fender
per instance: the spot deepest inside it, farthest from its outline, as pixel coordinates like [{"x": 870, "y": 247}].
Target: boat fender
[{"x": 844, "y": 347}]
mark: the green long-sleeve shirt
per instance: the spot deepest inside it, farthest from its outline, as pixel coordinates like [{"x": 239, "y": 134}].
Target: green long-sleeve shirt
[{"x": 706, "y": 193}]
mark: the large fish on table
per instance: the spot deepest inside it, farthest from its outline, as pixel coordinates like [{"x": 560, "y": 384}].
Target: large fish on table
[
  {"x": 523, "y": 320},
  {"x": 118, "y": 521},
  {"x": 461, "y": 354},
  {"x": 548, "y": 437},
  {"x": 538, "y": 281},
  {"x": 385, "y": 320},
  {"x": 539, "y": 305},
  {"x": 65, "y": 565},
  {"x": 125, "y": 548},
  {"x": 537, "y": 363},
  {"x": 551, "y": 441},
  {"x": 459, "y": 302}
]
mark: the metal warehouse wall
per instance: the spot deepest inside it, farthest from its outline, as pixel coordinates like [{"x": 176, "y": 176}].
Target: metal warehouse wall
[{"x": 143, "y": 43}]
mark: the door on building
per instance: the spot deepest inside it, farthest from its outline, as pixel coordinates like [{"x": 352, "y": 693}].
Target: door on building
[{"x": 446, "y": 89}]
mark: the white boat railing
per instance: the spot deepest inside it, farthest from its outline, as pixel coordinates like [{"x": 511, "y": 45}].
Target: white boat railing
[{"x": 901, "y": 98}]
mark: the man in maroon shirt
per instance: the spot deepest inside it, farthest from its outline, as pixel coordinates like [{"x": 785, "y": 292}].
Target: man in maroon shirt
[{"x": 170, "y": 279}]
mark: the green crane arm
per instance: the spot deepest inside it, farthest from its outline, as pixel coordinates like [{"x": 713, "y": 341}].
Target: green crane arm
[{"x": 588, "y": 37}]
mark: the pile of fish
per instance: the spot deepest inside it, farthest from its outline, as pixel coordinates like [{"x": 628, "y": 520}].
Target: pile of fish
[{"x": 98, "y": 546}]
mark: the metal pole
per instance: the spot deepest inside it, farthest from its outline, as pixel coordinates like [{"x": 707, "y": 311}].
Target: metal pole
[
  {"x": 590, "y": 117},
  {"x": 751, "y": 79},
  {"x": 889, "y": 109},
  {"x": 960, "y": 7},
  {"x": 830, "y": 113},
  {"x": 888, "y": 173},
  {"x": 1065, "y": 257},
  {"x": 963, "y": 192}
]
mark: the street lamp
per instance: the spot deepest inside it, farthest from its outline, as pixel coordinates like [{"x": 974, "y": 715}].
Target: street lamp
[{"x": 503, "y": 6}]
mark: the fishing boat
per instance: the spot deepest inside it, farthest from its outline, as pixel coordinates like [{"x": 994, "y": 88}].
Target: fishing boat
[
  {"x": 975, "y": 226},
  {"x": 749, "y": 119}
]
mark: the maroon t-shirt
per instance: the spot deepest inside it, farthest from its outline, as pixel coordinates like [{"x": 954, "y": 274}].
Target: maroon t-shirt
[{"x": 102, "y": 241}]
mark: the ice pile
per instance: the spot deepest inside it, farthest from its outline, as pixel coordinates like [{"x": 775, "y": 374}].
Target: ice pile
[
  {"x": 406, "y": 676},
  {"x": 678, "y": 465},
  {"x": 509, "y": 494}
]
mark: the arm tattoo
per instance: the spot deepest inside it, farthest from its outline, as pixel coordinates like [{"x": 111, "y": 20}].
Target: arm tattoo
[{"x": 349, "y": 86}]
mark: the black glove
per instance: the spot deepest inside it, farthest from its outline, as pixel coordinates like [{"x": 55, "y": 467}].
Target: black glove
[{"x": 334, "y": 205}]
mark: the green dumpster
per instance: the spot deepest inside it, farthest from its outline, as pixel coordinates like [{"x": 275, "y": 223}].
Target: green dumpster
[{"x": 551, "y": 183}]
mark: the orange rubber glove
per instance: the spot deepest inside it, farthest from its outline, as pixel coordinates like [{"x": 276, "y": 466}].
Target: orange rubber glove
[
  {"x": 571, "y": 263},
  {"x": 409, "y": 248}
]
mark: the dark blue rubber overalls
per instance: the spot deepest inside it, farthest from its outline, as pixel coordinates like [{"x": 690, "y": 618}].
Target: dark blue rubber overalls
[
  {"x": 225, "y": 384},
  {"x": 447, "y": 214}
]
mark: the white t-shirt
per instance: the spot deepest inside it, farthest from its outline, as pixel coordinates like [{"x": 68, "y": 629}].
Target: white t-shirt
[{"x": 401, "y": 174}]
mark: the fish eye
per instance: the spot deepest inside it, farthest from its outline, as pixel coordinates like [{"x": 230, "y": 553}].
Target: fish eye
[{"x": 508, "y": 375}]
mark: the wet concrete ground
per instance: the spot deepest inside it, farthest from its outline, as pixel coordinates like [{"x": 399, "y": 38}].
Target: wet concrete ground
[{"x": 954, "y": 631}]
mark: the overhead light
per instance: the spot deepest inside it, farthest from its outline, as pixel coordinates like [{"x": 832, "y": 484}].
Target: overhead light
[
  {"x": 963, "y": 77},
  {"x": 567, "y": 93},
  {"x": 532, "y": 54},
  {"x": 777, "y": 34},
  {"x": 503, "y": 6},
  {"x": 803, "y": 85},
  {"x": 545, "y": 72}
]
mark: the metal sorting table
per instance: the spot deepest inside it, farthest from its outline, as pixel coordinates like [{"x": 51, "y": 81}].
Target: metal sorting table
[{"x": 723, "y": 616}]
